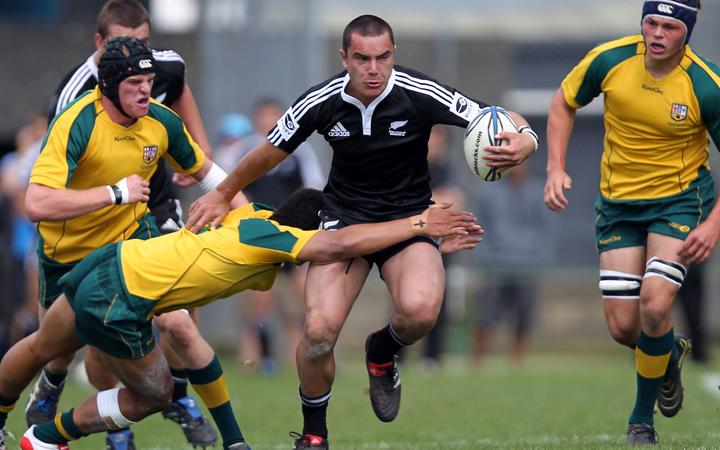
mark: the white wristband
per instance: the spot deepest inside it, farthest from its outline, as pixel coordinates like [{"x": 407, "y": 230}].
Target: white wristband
[
  {"x": 119, "y": 193},
  {"x": 214, "y": 177},
  {"x": 529, "y": 131}
]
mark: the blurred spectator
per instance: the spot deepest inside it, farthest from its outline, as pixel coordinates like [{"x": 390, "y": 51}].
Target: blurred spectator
[
  {"x": 259, "y": 329},
  {"x": 517, "y": 242},
  {"x": 17, "y": 268},
  {"x": 444, "y": 189}
]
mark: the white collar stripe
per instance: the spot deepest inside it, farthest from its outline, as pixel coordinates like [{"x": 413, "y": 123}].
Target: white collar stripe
[
  {"x": 427, "y": 92},
  {"x": 298, "y": 113},
  {"x": 313, "y": 95},
  {"x": 431, "y": 84}
]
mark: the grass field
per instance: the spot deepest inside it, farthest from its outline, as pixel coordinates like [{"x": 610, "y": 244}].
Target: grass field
[{"x": 558, "y": 401}]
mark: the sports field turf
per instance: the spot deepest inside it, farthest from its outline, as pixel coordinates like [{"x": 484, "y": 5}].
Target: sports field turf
[{"x": 558, "y": 401}]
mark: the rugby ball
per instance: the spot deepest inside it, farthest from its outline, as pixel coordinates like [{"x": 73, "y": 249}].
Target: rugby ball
[{"x": 480, "y": 133}]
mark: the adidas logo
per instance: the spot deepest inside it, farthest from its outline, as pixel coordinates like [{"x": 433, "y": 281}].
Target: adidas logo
[{"x": 338, "y": 131}]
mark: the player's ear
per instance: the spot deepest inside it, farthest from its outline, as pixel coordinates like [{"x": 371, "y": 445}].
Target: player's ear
[
  {"x": 343, "y": 57},
  {"x": 98, "y": 41}
]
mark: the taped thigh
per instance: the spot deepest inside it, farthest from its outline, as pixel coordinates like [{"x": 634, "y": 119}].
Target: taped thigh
[
  {"x": 619, "y": 285},
  {"x": 672, "y": 271}
]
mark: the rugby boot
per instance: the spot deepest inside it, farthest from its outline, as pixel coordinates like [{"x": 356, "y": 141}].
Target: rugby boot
[
  {"x": 197, "y": 429},
  {"x": 641, "y": 434},
  {"x": 43, "y": 402},
  {"x": 309, "y": 441},
  {"x": 120, "y": 440},
  {"x": 670, "y": 397},
  {"x": 385, "y": 387},
  {"x": 30, "y": 442},
  {"x": 4, "y": 434}
]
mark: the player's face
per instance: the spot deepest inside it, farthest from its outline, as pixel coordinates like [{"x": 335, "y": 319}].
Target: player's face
[
  {"x": 134, "y": 93},
  {"x": 369, "y": 61},
  {"x": 663, "y": 37},
  {"x": 114, "y": 30}
]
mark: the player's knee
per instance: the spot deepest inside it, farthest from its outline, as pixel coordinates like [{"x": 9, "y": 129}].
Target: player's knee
[
  {"x": 178, "y": 327},
  {"x": 624, "y": 332},
  {"x": 319, "y": 339},
  {"x": 420, "y": 317}
]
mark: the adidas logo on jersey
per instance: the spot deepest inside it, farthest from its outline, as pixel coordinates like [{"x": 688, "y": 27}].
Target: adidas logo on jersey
[
  {"x": 394, "y": 128},
  {"x": 338, "y": 131}
]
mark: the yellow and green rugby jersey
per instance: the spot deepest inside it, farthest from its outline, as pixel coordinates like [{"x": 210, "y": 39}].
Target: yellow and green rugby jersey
[
  {"x": 84, "y": 148},
  {"x": 655, "y": 130},
  {"x": 183, "y": 269}
]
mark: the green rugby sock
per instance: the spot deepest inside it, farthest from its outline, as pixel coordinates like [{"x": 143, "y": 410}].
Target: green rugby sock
[{"x": 651, "y": 360}]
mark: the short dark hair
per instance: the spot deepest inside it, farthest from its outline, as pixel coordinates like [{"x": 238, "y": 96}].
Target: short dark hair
[
  {"x": 300, "y": 209},
  {"x": 264, "y": 102},
  {"x": 366, "y": 25},
  {"x": 126, "y": 13}
]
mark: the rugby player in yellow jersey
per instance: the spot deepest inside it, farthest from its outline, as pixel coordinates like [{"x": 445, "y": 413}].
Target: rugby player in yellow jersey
[
  {"x": 656, "y": 210},
  {"x": 89, "y": 186},
  {"x": 112, "y": 295}
]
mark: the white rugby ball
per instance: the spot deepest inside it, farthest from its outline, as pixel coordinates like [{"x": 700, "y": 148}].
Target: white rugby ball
[{"x": 480, "y": 133}]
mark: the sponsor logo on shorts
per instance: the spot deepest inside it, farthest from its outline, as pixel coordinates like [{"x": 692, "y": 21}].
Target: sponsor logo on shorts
[
  {"x": 678, "y": 112},
  {"x": 680, "y": 227},
  {"x": 463, "y": 107},
  {"x": 149, "y": 153},
  {"x": 338, "y": 131},
  {"x": 124, "y": 138},
  {"x": 610, "y": 240},
  {"x": 287, "y": 125},
  {"x": 393, "y": 130}
]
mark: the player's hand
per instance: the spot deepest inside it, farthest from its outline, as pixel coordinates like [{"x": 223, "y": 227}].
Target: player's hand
[
  {"x": 518, "y": 148},
  {"x": 557, "y": 182},
  {"x": 700, "y": 242},
  {"x": 211, "y": 208},
  {"x": 138, "y": 188},
  {"x": 182, "y": 180},
  {"x": 441, "y": 221},
  {"x": 458, "y": 243}
]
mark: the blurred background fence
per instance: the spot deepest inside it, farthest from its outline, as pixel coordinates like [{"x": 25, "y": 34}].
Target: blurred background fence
[{"x": 512, "y": 53}]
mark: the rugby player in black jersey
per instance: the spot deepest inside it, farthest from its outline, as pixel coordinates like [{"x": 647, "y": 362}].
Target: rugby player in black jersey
[
  {"x": 180, "y": 335},
  {"x": 377, "y": 118}
]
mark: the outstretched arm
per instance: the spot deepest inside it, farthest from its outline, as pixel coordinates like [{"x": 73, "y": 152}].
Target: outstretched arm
[
  {"x": 214, "y": 206},
  {"x": 355, "y": 240},
  {"x": 561, "y": 119}
]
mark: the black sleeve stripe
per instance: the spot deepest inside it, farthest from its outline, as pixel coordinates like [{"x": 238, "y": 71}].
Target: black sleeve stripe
[
  {"x": 310, "y": 98},
  {"x": 299, "y": 113},
  {"x": 72, "y": 88},
  {"x": 427, "y": 92},
  {"x": 167, "y": 55},
  {"x": 425, "y": 84}
]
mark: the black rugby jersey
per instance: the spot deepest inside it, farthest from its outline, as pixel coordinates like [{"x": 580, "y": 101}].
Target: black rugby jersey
[
  {"x": 168, "y": 85},
  {"x": 379, "y": 167}
]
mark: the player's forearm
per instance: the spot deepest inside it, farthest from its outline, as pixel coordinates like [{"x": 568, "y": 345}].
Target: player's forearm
[
  {"x": 362, "y": 239},
  {"x": 561, "y": 119},
  {"x": 45, "y": 203},
  {"x": 252, "y": 166}
]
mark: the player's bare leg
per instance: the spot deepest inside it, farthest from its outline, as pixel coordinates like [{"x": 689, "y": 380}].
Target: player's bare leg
[
  {"x": 416, "y": 279},
  {"x": 330, "y": 291}
]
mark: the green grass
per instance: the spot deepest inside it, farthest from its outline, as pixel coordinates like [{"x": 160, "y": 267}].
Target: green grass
[{"x": 558, "y": 400}]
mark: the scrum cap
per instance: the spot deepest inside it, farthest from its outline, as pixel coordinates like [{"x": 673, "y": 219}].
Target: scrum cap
[
  {"x": 684, "y": 11},
  {"x": 122, "y": 57}
]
